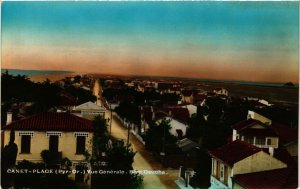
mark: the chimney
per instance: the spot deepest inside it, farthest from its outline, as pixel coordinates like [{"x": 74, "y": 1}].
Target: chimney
[
  {"x": 271, "y": 151},
  {"x": 8, "y": 118}
]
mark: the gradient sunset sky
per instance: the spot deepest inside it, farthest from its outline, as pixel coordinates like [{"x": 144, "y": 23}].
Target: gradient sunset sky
[{"x": 249, "y": 41}]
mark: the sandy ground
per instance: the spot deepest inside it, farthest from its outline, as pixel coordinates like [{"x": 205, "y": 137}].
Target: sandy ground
[{"x": 143, "y": 160}]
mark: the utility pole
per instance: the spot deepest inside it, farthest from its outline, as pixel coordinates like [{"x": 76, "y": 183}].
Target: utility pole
[
  {"x": 128, "y": 134},
  {"x": 163, "y": 145},
  {"x": 110, "y": 118}
]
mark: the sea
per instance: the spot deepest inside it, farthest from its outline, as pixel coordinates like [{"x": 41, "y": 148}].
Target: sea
[{"x": 16, "y": 72}]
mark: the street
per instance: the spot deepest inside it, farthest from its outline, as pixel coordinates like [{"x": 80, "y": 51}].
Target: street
[{"x": 143, "y": 160}]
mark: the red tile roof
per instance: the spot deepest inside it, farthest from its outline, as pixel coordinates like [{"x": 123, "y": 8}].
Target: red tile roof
[
  {"x": 286, "y": 134},
  {"x": 246, "y": 123},
  {"x": 178, "y": 113},
  {"x": 160, "y": 115},
  {"x": 186, "y": 92},
  {"x": 51, "y": 121},
  {"x": 234, "y": 152},
  {"x": 199, "y": 97},
  {"x": 264, "y": 180}
]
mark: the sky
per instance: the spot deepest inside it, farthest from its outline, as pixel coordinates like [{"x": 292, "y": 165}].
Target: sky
[{"x": 246, "y": 41}]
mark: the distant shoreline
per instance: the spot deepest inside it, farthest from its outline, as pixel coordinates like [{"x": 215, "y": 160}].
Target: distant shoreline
[
  {"x": 253, "y": 83},
  {"x": 54, "y": 75},
  {"x": 41, "y": 75},
  {"x": 28, "y": 73}
]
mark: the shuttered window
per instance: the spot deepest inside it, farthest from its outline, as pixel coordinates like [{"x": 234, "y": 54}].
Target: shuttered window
[
  {"x": 53, "y": 143},
  {"x": 80, "y": 144},
  {"x": 25, "y": 143}
]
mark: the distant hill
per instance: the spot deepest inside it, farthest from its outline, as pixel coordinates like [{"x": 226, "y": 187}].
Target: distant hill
[{"x": 289, "y": 84}]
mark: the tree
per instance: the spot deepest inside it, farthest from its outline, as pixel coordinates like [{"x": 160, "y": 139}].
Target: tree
[
  {"x": 158, "y": 137},
  {"x": 203, "y": 170},
  {"x": 77, "y": 79},
  {"x": 119, "y": 158},
  {"x": 197, "y": 124},
  {"x": 100, "y": 138},
  {"x": 51, "y": 158},
  {"x": 131, "y": 112},
  {"x": 81, "y": 95},
  {"x": 9, "y": 156}
]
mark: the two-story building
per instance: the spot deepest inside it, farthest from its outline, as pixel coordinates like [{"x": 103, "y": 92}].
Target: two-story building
[
  {"x": 263, "y": 133},
  {"x": 257, "y": 152},
  {"x": 257, "y": 133},
  {"x": 237, "y": 158}
]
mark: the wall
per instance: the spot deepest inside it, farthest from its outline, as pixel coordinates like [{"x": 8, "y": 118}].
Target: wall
[
  {"x": 258, "y": 117},
  {"x": 237, "y": 186},
  {"x": 40, "y": 142},
  {"x": 229, "y": 173},
  {"x": 293, "y": 149},
  {"x": 176, "y": 125},
  {"x": 260, "y": 161}
]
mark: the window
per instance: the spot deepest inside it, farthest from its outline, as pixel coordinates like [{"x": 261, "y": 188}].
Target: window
[
  {"x": 80, "y": 144},
  {"x": 269, "y": 141},
  {"x": 53, "y": 143},
  {"x": 249, "y": 139},
  {"x": 260, "y": 140},
  {"x": 218, "y": 170},
  {"x": 25, "y": 143},
  {"x": 222, "y": 172},
  {"x": 226, "y": 175}
]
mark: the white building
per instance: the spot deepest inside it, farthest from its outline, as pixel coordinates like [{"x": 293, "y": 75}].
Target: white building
[
  {"x": 175, "y": 126},
  {"x": 89, "y": 110}
]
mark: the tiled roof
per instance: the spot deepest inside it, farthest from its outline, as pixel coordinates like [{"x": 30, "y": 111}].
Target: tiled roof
[
  {"x": 186, "y": 92},
  {"x": 186, "y": 144},
  {"x": 160, "y": 115},
  {"x": 146, "y": 108},
  {"x": 66, "y": 100},
  {"x": 179, "y": 113},
  {"x": 234, "y": 152},
  {"x": 286, "y": 134},
  {"x": 256, "y": 103},
  {"x": 273, "y": 179},
  {"x": 245, "y": 123},
  {"x": 89, "y": 106},
  {"x": 52, "y": 121}
]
